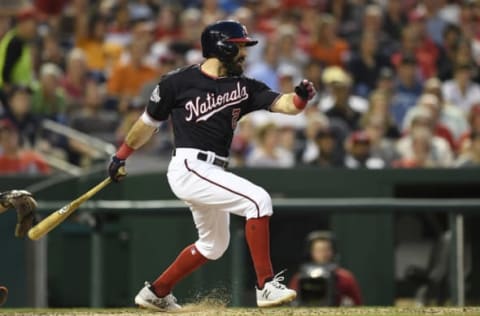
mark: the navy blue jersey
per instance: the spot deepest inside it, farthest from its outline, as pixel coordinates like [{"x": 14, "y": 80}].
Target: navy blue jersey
[{"x": 205, "y": 109}]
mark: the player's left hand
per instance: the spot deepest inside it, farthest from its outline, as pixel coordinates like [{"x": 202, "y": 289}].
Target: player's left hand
[
  {"x": 116, "y": 169},
  {"x": 25, "y": 205},
  {"x": 305, "y": 90}
]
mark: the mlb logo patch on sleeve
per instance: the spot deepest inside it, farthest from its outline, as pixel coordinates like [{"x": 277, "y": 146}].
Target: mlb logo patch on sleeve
[{"x": 155, "y": 97}]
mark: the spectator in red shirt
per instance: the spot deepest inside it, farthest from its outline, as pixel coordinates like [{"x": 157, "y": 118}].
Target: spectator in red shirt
[
  {"x": 425, "y": 51},
  {"x": 320, "y": 281},
  {"x": 471, "y": 158},
  {"x": 13, "y": 159},
  {"x": 474, "y": 121},
  {"x": 50, "y": 7}
]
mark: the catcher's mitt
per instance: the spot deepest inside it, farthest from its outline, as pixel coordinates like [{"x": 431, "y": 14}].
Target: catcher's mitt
[
  {"x": 25, "y": 205},
  {"x": 3, "y": 295}
]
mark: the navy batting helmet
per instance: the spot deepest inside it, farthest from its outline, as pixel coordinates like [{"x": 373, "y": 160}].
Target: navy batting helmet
[{"x": 219, "y": 39}]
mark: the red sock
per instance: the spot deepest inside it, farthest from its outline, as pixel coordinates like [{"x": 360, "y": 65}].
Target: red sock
[
  {"x": 257, "y": 233},
  {"x": 187, "y": 261}
]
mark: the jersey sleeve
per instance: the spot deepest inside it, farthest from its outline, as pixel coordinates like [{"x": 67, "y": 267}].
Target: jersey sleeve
[
  {"x": 161, "y": 101},
  {"x": 261, "y": 96}
]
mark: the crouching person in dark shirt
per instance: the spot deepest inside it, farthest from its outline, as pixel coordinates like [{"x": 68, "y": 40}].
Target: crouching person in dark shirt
[{"x": 321, "y": 281}]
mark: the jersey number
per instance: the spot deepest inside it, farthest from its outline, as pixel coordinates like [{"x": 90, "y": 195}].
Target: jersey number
[{"x": 235, "y": 117}]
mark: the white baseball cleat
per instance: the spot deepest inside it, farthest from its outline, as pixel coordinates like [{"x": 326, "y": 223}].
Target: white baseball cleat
[
  {"x": 275, "y": 293},
  {"x": 148, "y": 300}
]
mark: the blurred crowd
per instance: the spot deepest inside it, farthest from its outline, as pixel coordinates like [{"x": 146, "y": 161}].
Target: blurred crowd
[{"x": 398, "y": 81}]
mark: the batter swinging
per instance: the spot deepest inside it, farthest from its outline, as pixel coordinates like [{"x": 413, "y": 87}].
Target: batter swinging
[{"x": 205, "y": 102}]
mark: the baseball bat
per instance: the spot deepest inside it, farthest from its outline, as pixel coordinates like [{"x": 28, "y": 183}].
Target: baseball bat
[{"x": 57, "y": 217}]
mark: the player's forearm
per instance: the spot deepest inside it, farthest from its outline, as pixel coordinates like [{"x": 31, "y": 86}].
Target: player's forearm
[
  {"x": 285, "y": 104},
  {"x": 2, "y": 209},
  {"x": 139, "y": 134}
]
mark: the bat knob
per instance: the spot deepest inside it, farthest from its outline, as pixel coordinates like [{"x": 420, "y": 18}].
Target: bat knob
[
  {"x": 122, "y": 172},
  {"x": 34, "y": 234}
]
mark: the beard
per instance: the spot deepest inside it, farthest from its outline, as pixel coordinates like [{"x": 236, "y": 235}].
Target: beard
[{"x": 234, "y": 67}]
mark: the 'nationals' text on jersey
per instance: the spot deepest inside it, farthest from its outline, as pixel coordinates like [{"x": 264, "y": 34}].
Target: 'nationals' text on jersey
[{"x": 205, "y": 109}]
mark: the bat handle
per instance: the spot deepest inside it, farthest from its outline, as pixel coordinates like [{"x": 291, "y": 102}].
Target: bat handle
[{"x": 122, "y": 172}]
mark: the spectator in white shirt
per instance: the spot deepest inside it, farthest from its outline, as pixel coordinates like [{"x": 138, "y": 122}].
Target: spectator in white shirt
[
  {"x": 461, "y": 90},
  {"x": 451, "y": 116},
  {"x": 267, "y": 151},
  {"x": 439, "y": 152}
]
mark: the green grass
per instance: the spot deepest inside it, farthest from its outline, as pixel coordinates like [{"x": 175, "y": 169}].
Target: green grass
[{"x": 204, "y": 310}]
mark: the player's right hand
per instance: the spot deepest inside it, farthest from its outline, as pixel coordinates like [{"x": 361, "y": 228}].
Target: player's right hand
[
  {"x": 305, "y": 90},
  {"x": 116, "y": 168}
]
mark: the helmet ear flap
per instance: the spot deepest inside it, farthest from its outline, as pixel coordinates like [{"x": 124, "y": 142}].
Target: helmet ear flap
[{"x": 227, "y": 51}]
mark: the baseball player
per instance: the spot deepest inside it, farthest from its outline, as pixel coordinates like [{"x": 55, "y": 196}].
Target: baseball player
[
  {"x": 24, "y": 203},
  {"x": 205, "y": 102}
]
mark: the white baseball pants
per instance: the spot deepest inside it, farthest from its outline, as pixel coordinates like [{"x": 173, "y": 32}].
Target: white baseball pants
[{"x": 212, "y": 194}]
